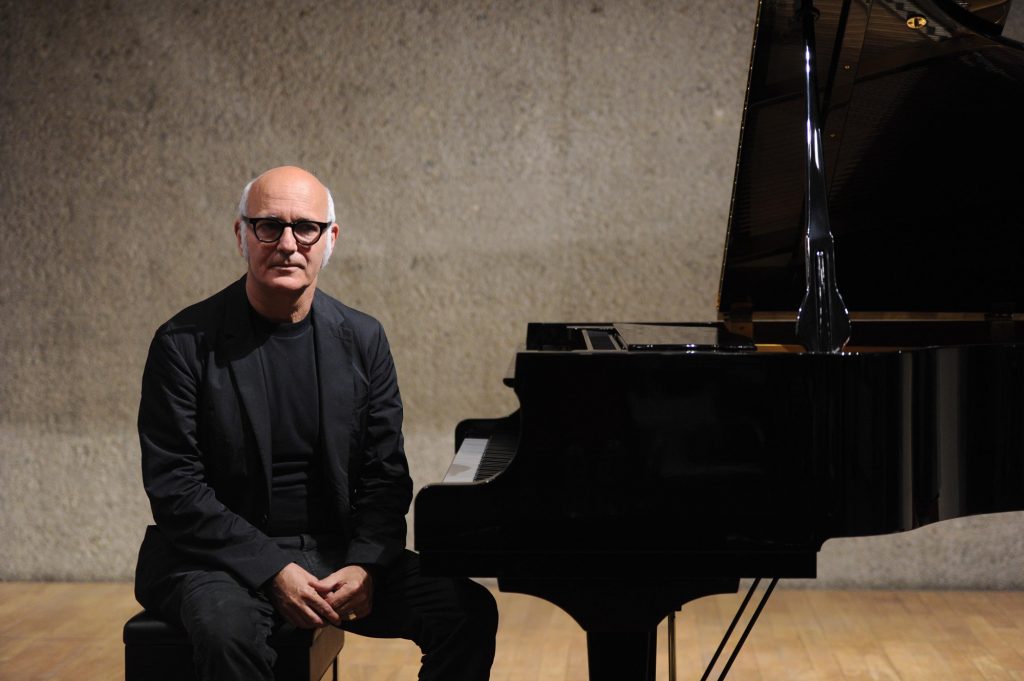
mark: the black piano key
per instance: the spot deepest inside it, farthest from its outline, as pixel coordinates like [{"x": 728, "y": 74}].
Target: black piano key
[{"x": 500, "y": 450}]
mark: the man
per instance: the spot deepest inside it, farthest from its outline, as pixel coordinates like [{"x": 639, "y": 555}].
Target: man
[{"x": 272, "y": 453}]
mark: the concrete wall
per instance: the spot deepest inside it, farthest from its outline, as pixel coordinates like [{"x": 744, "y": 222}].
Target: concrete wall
[{"x": 493, "y": 164}]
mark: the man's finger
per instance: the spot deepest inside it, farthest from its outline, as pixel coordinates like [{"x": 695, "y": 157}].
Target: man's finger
[
  {"x": 312, "y": 619},
  {"x": 323, "y": 586},
  {"x": 302, "y": 617},
  {"x": 343, "y": 599},
  {"x": 317, "y": 604},
  {"x": 331, "y": 614},
  {"x": 338, "y": 602}
]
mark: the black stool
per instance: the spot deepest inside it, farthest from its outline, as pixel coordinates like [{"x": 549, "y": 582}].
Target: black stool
[{"x": 157, "y": 651}]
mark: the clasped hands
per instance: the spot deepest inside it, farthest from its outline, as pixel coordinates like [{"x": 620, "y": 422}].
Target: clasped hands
[{"x": 310, "y": 603}]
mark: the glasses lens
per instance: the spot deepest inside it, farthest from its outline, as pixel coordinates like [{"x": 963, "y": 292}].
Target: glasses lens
[
  {"x": 306, "y": 232},
  {"x": 267, "y": 230}
]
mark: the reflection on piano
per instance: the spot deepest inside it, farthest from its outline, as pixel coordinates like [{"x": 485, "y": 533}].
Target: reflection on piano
[{"x": 651, "y": 464}]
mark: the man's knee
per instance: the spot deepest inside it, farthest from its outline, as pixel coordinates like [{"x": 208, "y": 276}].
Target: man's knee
[
  {"x": 228, "y": 627},
  {"x": 481, "y": 612},
  {"x": 462, "y": 647}
]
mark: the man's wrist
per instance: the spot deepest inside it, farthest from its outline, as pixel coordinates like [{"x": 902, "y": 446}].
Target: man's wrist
[
  {"x": 371, "y": 569},
  {"x": 270, "y": 581}
]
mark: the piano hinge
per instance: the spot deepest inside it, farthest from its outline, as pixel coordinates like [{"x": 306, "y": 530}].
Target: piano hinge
[
  {"x": 1000, "y": 322},
  {"x": 740, "y": 320}
]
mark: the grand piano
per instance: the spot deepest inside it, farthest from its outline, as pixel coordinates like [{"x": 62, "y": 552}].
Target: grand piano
[{"x": 865, "y": 374}]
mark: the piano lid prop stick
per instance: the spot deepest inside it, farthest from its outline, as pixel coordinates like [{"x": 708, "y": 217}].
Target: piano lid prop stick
[{"x": 823, "y": 322}]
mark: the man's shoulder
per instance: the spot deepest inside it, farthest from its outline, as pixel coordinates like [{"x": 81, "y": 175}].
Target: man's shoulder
[
  {"x": 335, "y": 311},
  {"x": 204, "y": 316}
]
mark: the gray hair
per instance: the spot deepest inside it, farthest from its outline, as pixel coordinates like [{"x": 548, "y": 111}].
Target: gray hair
[{"x": 244, "y": 226}]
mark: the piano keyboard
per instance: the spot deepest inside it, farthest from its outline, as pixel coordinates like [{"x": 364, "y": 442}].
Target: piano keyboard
[{"x": 481, "y": 458}]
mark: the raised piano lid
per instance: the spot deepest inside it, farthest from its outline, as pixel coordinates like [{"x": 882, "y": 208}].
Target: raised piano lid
[{"x": 924, "y": 141}]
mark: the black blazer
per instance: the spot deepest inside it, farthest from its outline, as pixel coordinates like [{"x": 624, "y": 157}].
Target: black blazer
[{"x": 203, "y": 428}]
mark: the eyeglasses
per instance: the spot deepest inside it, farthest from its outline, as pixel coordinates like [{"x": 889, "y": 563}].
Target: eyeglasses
[{"x": 269, "y": 230}]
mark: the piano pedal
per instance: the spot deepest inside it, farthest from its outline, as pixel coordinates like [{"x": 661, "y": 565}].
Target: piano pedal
[{"x": 672, "y": 646}]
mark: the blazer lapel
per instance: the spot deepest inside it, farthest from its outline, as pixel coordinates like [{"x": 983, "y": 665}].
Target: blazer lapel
[
  {"x": 242, "y": 351},
  {"x": 334, "y": 377}
]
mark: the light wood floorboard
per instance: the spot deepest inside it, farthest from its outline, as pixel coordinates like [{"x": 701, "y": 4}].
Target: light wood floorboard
[{"x": 73, "y": 631}]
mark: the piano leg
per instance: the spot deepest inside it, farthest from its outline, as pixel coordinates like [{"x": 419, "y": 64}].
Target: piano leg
[
  {"x": 621, "y": 655},
  {"x": 621, "y": 637}
]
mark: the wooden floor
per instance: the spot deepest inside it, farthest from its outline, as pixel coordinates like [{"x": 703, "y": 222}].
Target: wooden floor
[{"x": 73, "y": 631}]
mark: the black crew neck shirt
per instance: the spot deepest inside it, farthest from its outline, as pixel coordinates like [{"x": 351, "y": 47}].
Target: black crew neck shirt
[{"x": 297, "y": 498}]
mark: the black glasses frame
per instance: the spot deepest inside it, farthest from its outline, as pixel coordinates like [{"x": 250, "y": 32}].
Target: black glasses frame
[{"x": 279, "y": 225}]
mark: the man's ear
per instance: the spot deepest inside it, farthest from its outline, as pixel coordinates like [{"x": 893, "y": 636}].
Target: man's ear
[
  {"x": 332, "y": 239},
  {"x": 238, "y": 238}
]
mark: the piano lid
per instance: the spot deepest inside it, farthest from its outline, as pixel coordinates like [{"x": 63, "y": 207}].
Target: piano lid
[{"x": 923, "y": 133}]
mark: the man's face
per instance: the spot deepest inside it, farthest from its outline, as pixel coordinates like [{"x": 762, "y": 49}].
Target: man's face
[{"x": 290, "y": 195}]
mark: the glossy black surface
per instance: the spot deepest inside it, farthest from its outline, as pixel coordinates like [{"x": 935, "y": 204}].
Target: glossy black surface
[
  {"x": 922, "y": 135},
  {"x": 753, "y": 456},
  {"x": 661, "y": 463},
  {"x": 666, "y": 475},
  {"x": 822, "y": 321}
]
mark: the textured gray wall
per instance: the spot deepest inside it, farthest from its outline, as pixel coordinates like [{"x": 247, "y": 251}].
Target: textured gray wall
[{"x": 493, "y": 164}]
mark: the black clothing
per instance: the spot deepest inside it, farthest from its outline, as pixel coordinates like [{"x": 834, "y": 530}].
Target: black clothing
[
  {"x": 226, "y": 445},
  {"x": 452, "y": 621},
  {"x": 204, "y": 430},
  {"x": 297, "y": 498}
]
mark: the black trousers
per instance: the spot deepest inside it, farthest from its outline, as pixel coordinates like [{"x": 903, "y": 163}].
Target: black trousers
[{"x": 453, "y": 621}]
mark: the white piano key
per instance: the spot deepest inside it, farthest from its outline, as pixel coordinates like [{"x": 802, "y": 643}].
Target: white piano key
[{"x": 467, "y": 460}]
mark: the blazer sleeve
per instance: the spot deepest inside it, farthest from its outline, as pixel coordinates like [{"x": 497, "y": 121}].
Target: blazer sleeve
[
  {"x": 383, "y": 487},
  {"x": 185, "y": 507}
]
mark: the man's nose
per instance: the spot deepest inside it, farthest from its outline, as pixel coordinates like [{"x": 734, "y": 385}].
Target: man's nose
[{"x": 287, "y": 241}]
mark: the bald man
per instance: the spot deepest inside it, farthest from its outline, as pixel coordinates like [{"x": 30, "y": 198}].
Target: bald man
[{"x": 270, "y": 425}]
